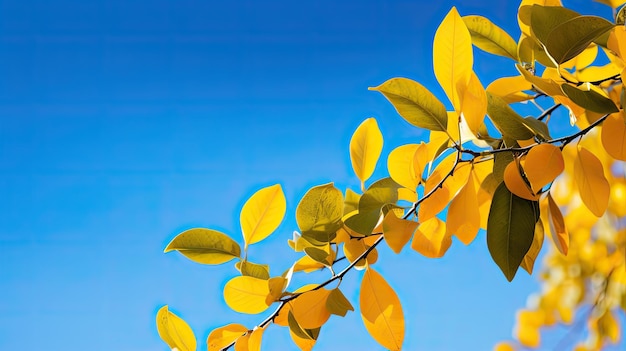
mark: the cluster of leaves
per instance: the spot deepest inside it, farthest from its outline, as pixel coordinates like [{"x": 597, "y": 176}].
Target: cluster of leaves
[{"x": 483, "y": 167}]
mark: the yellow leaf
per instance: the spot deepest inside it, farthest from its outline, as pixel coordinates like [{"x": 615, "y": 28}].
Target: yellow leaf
[
  {"x": 397, "y": 231},
  {"x": 174, "y": 331},
  {"x": 242, "y": 343},
  {"x": 511, "y": 89},
  {"x": 614, "y": 135},
  {"x": 307, "y": 264},
  {"x": 593, "y": 187},
  {"x": 452, "y": 56},
  {"x": 305, "y": 344},
  {"x": 473, "y": 103},
  {"x": 246, "y": 294},
  {"x": 254, "y": 342},
  {"x": 613, "y": 3},
  {"x": 431, "y": 239},
  {"x": 560, "y": 236},
  {"x": 381, "y": 311},
  {"x": 365, "y": 147},
  {"x": 223, "y": 336},
  {"x": 542, "y": 165},
  {"x": 309, "y": 309},
  {"x": 354, "y": 248},
  {"x": 527, "y": 328},
  {"x": 262, "y": 214},
  {"x": 503, "y": 346},
  {"x": 400, "y": 165},
  {"x": 515, "y": 183},
  {"x": 529, "y": 259},
  {"x": 546, "y": 85},
  {"x": 276, "y": 286},
  {"x": 463, "y": 219}
]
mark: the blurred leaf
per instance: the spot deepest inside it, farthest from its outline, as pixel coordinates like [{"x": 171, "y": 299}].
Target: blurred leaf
[
  {"x": 262, "y": 214},
  {"x": 205, "y": 246},
  {"x": 593, "y": 187},
  {"x": 510, "y": 89},
  {"x": 528, "y": 262},
  {"x": 174, "y": 331}
]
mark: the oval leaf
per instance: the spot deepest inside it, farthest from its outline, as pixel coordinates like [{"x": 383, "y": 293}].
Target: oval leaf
[
  {"x": 614, "y": 136},
  {"x": 542, "y": 165},
  {"x": 246, "y": 294},
  {"x": 262, "y": 214},
  {"x": 511, "y": 89},
  {"x": 416, "y": 104},
  {"x": 261, "y": 271},
  {"x": 589, "y": 99},
  {"x": 365, "y": 147},
  {"x": 510, "y": 229},
  {"x": 572, "y": 37},
  {"x": 592, "y": 184},
  {"x": 320, "y": 209},
  {"x": 224, "y": 336},
  {"x": 452, "y": 56},
  {"x": 431, "y": 238},
  {"x": 516, "y": 183},
  {"x": 174, "y": 331},
  {"x": 397, "y": 231},
  {"x": 309, "y": 309},
  {"x": 400, "y": 164},
  {"x": 489, "y": 37},
  {"x": 381, "y": 311},
  {"x": 205, "y": 246}
]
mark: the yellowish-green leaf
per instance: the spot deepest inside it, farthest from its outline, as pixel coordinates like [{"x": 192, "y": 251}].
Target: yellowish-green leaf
[
  {"x": 319, "y": 254},
  {"x": 572, "y": 37},
  {"x": 545, "y": 85},
  {"x": 379, "y": 194},
  {"x": 381, "y": 311},
  {"x": 397, "y": 231},
  {"x": 544, "y": 19},
  {"x": 452, "y": 56},
  {"x": 261, "y": 271},
  {"x": 351, "y": 201},
  {"x": 319, "y": 212},
  {"x": 463, "y": 219},
  {"x": 431, "y": 238},
  {"x": 246, "y": 294},
  {"x": 205, "y": 246},
  {"x": 525, "y": 11},
  {"x": 262, "y": 214},
  {"x": 613, "y": 3},
  {"x": 174, "y": 331},
  {"x": 337, "y": 303},
  {"x": 614, "y": 136},
  {"x": 473, "y": 104},
  {"x": 543, "y": 164},
  {"x": 365, "y": 147},
  {"x": 560, "y": 236},
  {"x": 489, "y": 37},
  {"x": 589, "y": 99},
  {"x": 416, "y": 104},
  {"x": 528, "y": 263},
  {"x": 508, "y": 122},
  {"x": 309, "y": 309},
  {"x": 510, "y": 229},
  {"x": 592, "y": 185},
  {"x": 510, "y": 89},
  {"x": 224, "y": 336}
]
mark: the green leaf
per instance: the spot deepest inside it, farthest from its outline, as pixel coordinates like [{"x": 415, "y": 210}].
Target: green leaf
[
  {"x": 319, "y": 212},
  {"x": 205, "y": 246},
  {"x": 351, "y": 202},
  {"x": 500, "y": 161},
  {"x": 379, "y": 194},
  {"x": 261, "y": 271},
  {"x": 489, "y": 37},
  {"x": 416, "y": 104},
  {"x": 589, "y": 100},
  {"x": 510, "y": 229},
  {"x": 317, "y": 255},
  {"x": 543, "y": 19},
  {"x": 538, "y": 127},
  {"x": 338, "y": 304},
  {"x": 508, "y": 122},
  {"x": 570, "y": 38}
]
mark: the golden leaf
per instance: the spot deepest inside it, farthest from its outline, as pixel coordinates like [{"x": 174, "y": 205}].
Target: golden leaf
[{"x": 262, "y": 214}]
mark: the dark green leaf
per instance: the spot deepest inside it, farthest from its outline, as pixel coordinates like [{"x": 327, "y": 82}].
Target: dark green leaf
[
  {"x": 510, "y": 229},
  {"x": 317, "y": 255},
  {"x": 571, "y": 37},
  {"x": 540, "y": 128},
  {"x": 589, "y": 100},
  {"x": 500, "y": 161},
  {"x": 508, "y": 122},
  {"x": 543, "y": 19}
]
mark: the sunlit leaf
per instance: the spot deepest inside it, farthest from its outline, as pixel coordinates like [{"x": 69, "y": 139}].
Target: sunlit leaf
[
  {"x": 510, "y": 89},
  {"x": 489, "y": 37},
  {"x": 510, "y": 229},
  {"x": 276, "y": 286},
  {"x": 614, "y": 135},
  {"x": 246, "y": 294},
  {"x": 463, "y": 219},
  {"x": 508, "y": 122},
  {"x": 542, "y": 165},
  {"x": 320, "y": 211},
  {"x": 516, "y": 184},
  {"x": 452, "y": 56},
  {"x": 304, "y": 339},
  {"x": 527, "y": 328},
  {"x": 381, "y": 311},
  {"x": 560, "y": 236},
  {"x": 205, "y": 246},
  {"x": 338, "y": 304},
  {"x": 379, "y": 194},
  {"x": 616, "y": 41},
  {"x": 261, "y": 271},
  {"x": 255, "y": 338},
  {"x": 416, "y": 104},
  {"x": 547, "y": 86},
  {"x": 528, "y": 262},
  {"x": 613, "y": 3},
  {"x": 174, "y": 331},
  {"x": 592, "y": 185},
  {"x": 365, "y": 147},
  {"x": 400, "y": 166},
  {"x": 473, "y": 104},
  {"x": 397, "y": 231},
  {"x": 223, "y": 336},
  {"x": 431, "y": 238},
  {"x": 262, "y": 214},
  {"x": 589, "y": 99},
  {"x": 351, "y": 201},
  {"x": 355, "y": 248},
  {"x": 309, "y": 309},
  {"x": 571, "y": 37}
]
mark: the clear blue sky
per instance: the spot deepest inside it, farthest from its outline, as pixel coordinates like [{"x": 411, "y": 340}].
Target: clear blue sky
[{"x": 123, "y": 123}]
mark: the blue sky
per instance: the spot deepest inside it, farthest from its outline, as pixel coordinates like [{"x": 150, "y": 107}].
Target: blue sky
[{"x": 123, "y": 123}]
